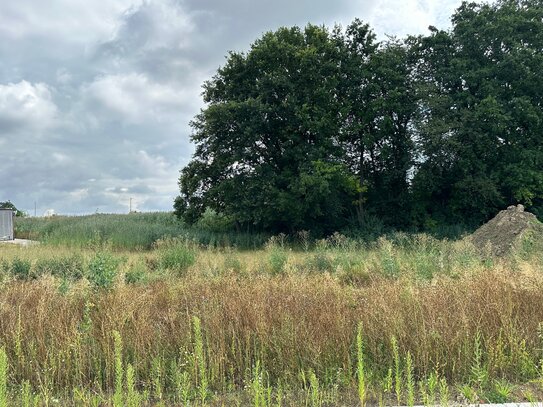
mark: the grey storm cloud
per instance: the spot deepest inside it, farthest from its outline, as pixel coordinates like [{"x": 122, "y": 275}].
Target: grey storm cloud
[{"x": 96, "y": 96}]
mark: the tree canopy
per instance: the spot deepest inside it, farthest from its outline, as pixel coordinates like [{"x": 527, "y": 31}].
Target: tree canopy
[
  {"x": 321, "y": 129},
  {"x": 481, "y": 128}
]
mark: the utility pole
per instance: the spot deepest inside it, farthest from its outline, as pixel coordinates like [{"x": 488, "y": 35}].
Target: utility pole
[
  {"x": 35, "y": 207},
  {"x": 130, "y": 211}
]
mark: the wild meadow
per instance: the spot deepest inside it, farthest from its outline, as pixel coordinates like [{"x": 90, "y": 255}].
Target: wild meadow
[{"x": 96, "y": 319}]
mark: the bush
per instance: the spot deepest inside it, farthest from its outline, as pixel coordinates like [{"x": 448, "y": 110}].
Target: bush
[
  {"x": 368, "y": 228},
  {"x": 277, "y": 259},
  {"x": 177, "y": 259},
  {"x": 102, "y": 270},
  {"x": 5, "y": 267},
  {"x": 68, "y": 267},
  {"x": 356, "y": 277},
  {"x": 388, "y": 260},
  {"x": 137, "y": 274},
  {"x": 320, "y": 261},
  {"x": 21, "y": 269},
  {"x": 233, "y": 263},
  {"x": 176, "y": 255},
  {"x": 214, "y": 221}
]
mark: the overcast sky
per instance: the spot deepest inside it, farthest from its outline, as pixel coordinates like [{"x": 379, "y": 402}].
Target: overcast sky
[{"x": 96, "y": 96}]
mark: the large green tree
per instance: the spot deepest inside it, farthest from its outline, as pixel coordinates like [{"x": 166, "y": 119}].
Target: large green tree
[
  {"x": 267, "y": 149},
  {"x": 481, "y": 122}
]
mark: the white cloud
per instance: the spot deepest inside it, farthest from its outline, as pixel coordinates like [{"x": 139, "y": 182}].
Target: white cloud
[
  {"x": 69, "y": 20},
  {"x": 405, "y": 17},
  {"x": 63, "y": 76},
  {"x": 25, "y": 105},
  {"x": 132, "y": 98},
  {"x": 154, "y": 25},
  {"x": 61, "y": 158},
  {"x": 79, "y": 194}
]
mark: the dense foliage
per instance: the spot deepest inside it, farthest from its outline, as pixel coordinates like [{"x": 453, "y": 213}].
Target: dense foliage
[
  {"x": 317, "y": 129},
  {"x": 482, "y": 122}
]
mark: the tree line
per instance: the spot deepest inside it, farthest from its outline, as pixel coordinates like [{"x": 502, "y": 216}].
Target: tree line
[{"x": 325, "y": 129}]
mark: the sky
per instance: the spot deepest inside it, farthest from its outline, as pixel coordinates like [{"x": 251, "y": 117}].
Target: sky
[{"x": 96, "y": 96}]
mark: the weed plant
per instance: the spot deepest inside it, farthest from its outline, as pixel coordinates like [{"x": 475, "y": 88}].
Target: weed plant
[
  {"x": 176, "y": 255},
  {"x": 71, "y": 267},
  {"x": 103, "y": 270},
  {"x": 404, "y": 320}
]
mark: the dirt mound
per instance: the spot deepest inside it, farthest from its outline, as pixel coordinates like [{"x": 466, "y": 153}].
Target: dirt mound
[{"x": 507, "y": 231}]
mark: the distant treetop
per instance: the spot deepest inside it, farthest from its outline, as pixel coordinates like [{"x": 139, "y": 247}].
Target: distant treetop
[{"x": 8, "y": 205}]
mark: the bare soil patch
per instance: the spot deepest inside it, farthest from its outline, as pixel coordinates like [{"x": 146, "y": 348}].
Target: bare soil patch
[{"x": 507, "y": 231}]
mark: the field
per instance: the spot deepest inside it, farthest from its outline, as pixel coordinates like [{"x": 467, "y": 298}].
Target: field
[{"x": 139, "y": 310}]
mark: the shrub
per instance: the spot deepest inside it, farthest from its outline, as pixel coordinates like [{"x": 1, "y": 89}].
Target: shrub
[
  {"x": 388, "y": 259},
  {"x": 176, "y": 255},
  {"x": 137, "y": 274},
  {"x": 5, "y": 268},
  {"x": 68, "y": 267},
  {"x": 233, "y": 263},
  {"x": 102, "y": 270},
  {"x": 21, "y": 269},
  {"x": 214, "y": 221},
  {"x": 277, "y": 259},
  {"x": 320, "y": 261},
  {"x": 357, "y": 277},
  {"x": 278, "y": 256}
]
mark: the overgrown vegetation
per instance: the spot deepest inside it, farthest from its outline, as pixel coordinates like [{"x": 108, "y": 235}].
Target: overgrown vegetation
[
  {"x": 408, "y": 319},
  {"x": 133, "y": 231}
]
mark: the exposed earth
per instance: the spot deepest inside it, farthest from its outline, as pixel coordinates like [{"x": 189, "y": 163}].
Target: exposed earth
[{"x": 508, "y": 231}]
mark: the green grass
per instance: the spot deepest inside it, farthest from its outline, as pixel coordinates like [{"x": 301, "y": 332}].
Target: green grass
[{"x": 131, "y": 232}]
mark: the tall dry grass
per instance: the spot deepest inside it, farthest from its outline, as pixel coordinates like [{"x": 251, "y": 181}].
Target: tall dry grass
[
  {"x": 289, "y": 325},
  {"x": 315, "y": 327}
]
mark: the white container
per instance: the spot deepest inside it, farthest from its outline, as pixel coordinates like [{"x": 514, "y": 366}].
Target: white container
[{"x": 6, "y": 224}]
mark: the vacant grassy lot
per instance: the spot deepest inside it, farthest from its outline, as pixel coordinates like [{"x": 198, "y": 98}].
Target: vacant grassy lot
[{"x": 334, "y": 322}]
